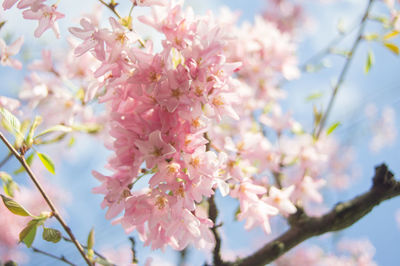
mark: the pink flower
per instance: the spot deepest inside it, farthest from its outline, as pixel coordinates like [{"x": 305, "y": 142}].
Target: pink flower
[
  {"x": 256, "y": 214},
  {"x": 277, "y": 120},
  {"x": 93, "y": 39},
  {"x": 222, "y": 105},
  {"x": 155, "y": 149},
  {"x": 7, "y": 4},
  {"x": 32, "y": 4},
  {"x": 309, "y": 188},
  {"x": 9, "y": 103},
  {"x": 280, "y": 199},
  {"x": 46, "y": 64},
  {"x": 46, "y": 16},
  {"x": 8, "y": 51},
  {"x": 249, "y": 191},
  {"x": 252, "y": 208}
]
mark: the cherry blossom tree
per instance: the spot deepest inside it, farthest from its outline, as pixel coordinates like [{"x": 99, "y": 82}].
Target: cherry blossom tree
[{"x": 192, "y": 110}]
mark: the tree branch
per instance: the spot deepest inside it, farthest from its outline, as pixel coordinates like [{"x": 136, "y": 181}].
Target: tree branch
[
  {"x": 53, "y": 209},
  {"x": 213, "y": 214},
  {"x": 343, "y": 215}
]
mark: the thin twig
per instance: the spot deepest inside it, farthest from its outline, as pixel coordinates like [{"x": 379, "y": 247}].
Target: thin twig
[
  {"x": 54, "y": 210},
  {"x": 112, "y": 8},
  {"x": 327, "y": 49},
  {"x": 5, "y": 160},
  {"x": 344, "y": 71},
  {"x": 61, "y": 258}
]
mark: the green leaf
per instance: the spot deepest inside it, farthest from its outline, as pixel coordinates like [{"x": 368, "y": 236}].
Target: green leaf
[
  {"x": 47, "y": 162},
  {"x": 71, "y": 142},
  {"x": 90, "y": 244},
  {"x": 369, "y": 62},
  {"x": 80, "y": 95},
  {"x": 11, "y": 121},
  {"x": 57, "y": 128},
  {"x": 90, "y": 240},
  {"x": 5, "y": 177},
  {"x": 14, "y": 207},
  {"x": 2, "y": 23},
  {"x": 9, "y": 186},
  {"x": 317, "y": 115},
  {"x": 332, "y": 128},
  {"x": 29, "y": 161},
  {"x": 20, "y": 137},
  {"x": 51, "y": 235},
  {"x": 87, "y": 128},
  {"x": 237, "y": 212},
  {"x": 35, "y": 124},
  {"x": 390, "y": 35},
  {"x": 314, "y": 96},
  {"x": 27, "y": 235},
  {"x": 371, "y": 37},
  {"x": 392, "y": 47}
]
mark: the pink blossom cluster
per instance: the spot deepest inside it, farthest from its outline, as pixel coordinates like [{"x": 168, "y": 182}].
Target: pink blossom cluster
[
  {"x": 161, "y": 104},
  {"x": 6, "y": 51},
  {"x": 269, "y": 143},
  {"x": 288, "y": 15},
  {"x": 267, "y": 55},
  {"x": 37, "y": 10},
  {"x": 55, "y": 88}
]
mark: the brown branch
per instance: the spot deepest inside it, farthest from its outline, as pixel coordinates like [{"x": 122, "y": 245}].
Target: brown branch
[
  {"x": 343, "y": 215},
  {"x": 56, "y": 214},
  {"x": 344, "y": 71},
  {"x": 213, "y": 214},
  {"x": 278, "y": 179},
  {"x": 62, "y": 258}
]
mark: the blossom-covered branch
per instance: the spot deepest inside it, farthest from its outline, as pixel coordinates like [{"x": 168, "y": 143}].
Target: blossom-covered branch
[{"x": 343, "y": 215}]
